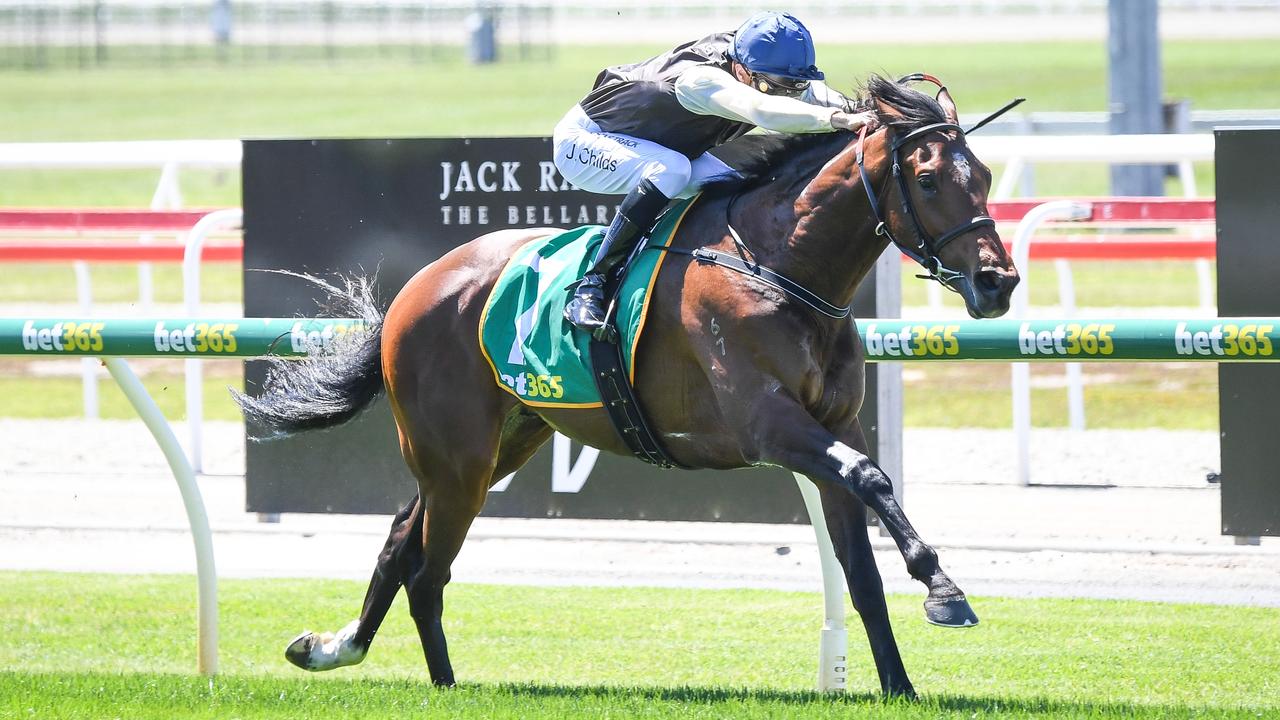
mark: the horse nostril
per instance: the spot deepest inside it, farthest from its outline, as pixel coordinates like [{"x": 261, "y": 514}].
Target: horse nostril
[{"x": 989, "y": 281}]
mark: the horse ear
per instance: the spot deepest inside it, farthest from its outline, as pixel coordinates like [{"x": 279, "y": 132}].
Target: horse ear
[{"x": 948, "y": 105}]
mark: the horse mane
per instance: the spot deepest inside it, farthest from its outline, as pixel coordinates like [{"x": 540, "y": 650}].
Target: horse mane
[{"x": 757, "y": 159}]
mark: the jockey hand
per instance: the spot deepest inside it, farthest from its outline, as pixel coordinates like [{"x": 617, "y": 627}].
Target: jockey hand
[{"x": 855, "y": 121}]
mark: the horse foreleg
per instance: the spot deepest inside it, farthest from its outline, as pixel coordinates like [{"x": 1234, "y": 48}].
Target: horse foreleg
[
  {"x": 846, "y": 523},
  {"x": 349, "y": 645},
  {"x": 791, "y": 438},
  {"x": 946, "y": 604}
]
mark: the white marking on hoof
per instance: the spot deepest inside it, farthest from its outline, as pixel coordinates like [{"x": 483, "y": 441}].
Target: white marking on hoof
[{"x": 335, "y": 650}]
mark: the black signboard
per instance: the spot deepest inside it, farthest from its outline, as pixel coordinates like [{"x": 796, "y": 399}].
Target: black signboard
[
  {"x": 391, "y": 207},
  {"x": 1248, "y": 214}
]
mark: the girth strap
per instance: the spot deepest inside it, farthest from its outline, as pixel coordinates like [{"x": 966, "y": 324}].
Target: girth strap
[{"x": 620, "y": 401}]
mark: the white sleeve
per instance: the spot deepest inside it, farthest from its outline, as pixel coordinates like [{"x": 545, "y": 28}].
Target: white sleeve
[
  {"x": 706, "y": 90},
  {"x": 820, "y": 93}
]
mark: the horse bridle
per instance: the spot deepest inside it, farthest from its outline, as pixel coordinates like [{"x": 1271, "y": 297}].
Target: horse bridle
[{"x": 926, "y": 252}]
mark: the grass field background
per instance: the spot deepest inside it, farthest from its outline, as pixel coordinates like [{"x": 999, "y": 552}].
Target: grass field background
[
  {"x": 123, "y": 646},
  {"x": 451, "y": 98}
]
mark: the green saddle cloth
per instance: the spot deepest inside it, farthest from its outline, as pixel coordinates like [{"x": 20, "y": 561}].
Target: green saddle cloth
[{"x": 535, "y": 353}]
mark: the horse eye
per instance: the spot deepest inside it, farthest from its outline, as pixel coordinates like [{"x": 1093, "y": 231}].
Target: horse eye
[{"x": 927, "y": 183}]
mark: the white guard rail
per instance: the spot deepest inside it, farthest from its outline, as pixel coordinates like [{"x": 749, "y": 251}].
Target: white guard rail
[
  {"x": 216, "y": 220},
  {"x": 1021, "y": 371},
  {"x": 1016, "y": 152}
]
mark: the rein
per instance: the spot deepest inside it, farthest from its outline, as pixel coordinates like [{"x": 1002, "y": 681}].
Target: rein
[{"x": 767, "y": 276}]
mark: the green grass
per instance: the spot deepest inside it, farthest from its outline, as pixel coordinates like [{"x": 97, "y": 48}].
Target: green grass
[
  {"x": 1128, "y": 284},
  {"x": 398, "y": 98},
  {"x": 1166, "y": 396},
  {"x": 115, "y": 283},
  {"x": 41, "y": 397},
  {"x": 119, "y": 646}
]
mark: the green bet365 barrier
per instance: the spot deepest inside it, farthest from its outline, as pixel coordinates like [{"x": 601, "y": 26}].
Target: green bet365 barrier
[
  {"x": 1213, "y": 339},
  {"x": 182, "y": 337}
]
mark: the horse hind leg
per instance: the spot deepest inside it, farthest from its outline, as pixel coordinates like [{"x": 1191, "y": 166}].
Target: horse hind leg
[
  {"x": 348, "y": 646},
  {"x": 452, "y": 504}
]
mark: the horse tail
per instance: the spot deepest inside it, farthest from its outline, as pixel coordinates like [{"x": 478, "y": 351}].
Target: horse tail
[{"x": 329, "y": 387}]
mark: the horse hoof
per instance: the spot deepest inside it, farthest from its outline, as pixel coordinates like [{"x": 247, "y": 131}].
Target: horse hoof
[
  {"x": 951, "y": 612},
  {"x": 299, "y": 650}
]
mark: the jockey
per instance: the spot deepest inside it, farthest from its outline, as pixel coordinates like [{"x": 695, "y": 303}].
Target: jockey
[{"x": 644, "y": 129}]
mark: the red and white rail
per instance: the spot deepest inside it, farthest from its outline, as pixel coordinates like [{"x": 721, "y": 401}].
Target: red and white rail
[{"x": 54, "y": 235}]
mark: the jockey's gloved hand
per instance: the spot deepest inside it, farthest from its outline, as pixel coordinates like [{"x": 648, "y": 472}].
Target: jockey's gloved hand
[{"x": 855, "y": 121}]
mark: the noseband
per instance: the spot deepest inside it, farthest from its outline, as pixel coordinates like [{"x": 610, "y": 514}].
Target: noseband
[{"x": 926, "y": 252}]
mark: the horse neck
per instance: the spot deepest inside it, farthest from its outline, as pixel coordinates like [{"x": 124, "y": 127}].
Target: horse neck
[{"x": 819, "y": 232}]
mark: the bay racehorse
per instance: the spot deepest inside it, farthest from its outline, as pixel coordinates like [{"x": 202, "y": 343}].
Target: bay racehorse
[{"x": 731, "y": 372}]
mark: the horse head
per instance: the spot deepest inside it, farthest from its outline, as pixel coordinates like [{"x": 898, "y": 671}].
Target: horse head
[{"x": 929, "y": 194}]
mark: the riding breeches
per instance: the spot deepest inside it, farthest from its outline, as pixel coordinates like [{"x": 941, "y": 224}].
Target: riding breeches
[{"x": 614, "y": 164}]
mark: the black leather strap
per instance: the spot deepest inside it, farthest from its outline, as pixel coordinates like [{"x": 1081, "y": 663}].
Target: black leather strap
[
  {"x": 766, "y": 276},
  {"x": 620, "y": 401}
]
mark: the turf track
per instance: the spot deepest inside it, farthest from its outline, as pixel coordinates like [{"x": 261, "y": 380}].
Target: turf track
[{"x": 120, "y": 646}]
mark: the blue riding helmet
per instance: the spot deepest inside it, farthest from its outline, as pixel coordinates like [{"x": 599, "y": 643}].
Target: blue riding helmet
[{"x": 777, "y": 44}]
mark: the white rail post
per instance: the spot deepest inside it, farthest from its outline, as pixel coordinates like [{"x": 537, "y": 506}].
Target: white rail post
[
  {"x": 1021, "y": 371},
  {"x": 1208, "y": 293},
  {"x": 88, "y": 366},
  {"x": 191, "y": 299},
  {"x": 166, "y": 197},
  {"x": 1009, "y": 178},
  {"x": 889, "y": 411},
  {"x": 1204, "y": 278},
  {"x": 201, "y": 536},
  {"x": 1075, "y": 376},
  {"x": 833, "y": 643},
  {"x": 1187, "y": 175}
]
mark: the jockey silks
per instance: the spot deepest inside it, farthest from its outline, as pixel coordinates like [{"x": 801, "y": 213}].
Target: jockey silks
[
  {"x": 640, "y": 99},
  {"x": 655, "y": 120}
]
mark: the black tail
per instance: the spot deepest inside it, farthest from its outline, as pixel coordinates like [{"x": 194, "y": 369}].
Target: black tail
[{"x": 326, "y": 388}]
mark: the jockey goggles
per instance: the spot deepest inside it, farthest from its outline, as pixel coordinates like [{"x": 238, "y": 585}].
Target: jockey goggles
[{"x": 771, "y": 84}]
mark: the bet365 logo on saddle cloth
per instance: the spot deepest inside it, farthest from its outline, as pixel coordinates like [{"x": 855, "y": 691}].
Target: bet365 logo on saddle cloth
[{"x": 535, "y": 354}]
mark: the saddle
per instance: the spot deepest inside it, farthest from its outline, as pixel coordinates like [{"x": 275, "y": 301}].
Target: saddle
[{"x": 534, "y": 353}]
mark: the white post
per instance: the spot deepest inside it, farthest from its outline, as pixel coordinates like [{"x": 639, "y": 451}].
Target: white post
[
  {"x": 1187, "y": 174},
  {"x": 889, "y": 374},
  {"x": 201, "y": 536},
  {"x": 1021, "y": 371},
  {"x": 88, "y": 366},
  {"x": 1204, "y": 280},
  {"x": 166, "y": 196},
  {"x": 191, "y": 299},
  {"x": 933, "y": 295},
  {"x": 1075, "y": 375},
  {"x": 1009, "y": 179},
  {"x": 833, "y": 643}
]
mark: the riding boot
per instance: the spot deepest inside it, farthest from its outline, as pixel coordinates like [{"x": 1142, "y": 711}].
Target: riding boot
[{"x": 635, "y": 219}]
